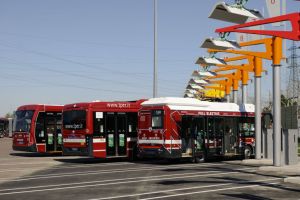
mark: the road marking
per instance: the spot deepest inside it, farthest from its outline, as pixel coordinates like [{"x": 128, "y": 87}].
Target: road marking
[
  {"x": 108, "y": 180},
  {"x": 182, "y": 189},
  {"x": 206, "y": 191},
  {"x": 69, "y": 167},
  {"x": 117, "y": 181},
  {"x": 135, "y": 169},
  {"x": 28, "y": 163}
]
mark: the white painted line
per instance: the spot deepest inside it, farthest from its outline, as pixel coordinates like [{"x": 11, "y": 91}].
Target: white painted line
[
  {"x": 205, "y": 191},
  {"x": 109, "y": 182},
  {"x": 135, "y": 169},
  {"x": 71, "y": 166},
  {"x": 182, "y": 189},
  {"x": 29, "y": 163}
]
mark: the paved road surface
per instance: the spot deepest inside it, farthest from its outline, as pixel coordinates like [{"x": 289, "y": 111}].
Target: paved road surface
[{"x": 79, "y": 178}]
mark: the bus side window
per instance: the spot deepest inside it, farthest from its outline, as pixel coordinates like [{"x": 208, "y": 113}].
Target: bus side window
[
  {"x": 219, "y": 127},
  {"x": 132, "y": 124},
  {"x": 99, "y": 122},
  {"x": 157, "y": 119},
  {"x": 210, "y": 130},
  {"x": 39, "y": 129}
]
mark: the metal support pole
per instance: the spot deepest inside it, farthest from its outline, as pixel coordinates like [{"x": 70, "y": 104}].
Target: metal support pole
[
  {"x": 244, "y": 94},
  {"x": 276, "y": 116},
  {"x": 227, "y": 98},
  {"x": 155, "y": 51},
  {"x": 235, "y": 96},
  {"x": 257, "y": 117}
]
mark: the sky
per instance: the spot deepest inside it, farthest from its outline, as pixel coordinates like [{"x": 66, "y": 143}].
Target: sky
[{"x": 67, "y": 51}]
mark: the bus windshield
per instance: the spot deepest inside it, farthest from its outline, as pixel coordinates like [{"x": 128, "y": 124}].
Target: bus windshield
[
  {"x": 22, "y": 121},
  {"x": 74, "y": 119}
]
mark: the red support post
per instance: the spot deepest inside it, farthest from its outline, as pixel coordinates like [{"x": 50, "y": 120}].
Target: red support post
[{"x": 293, "y": 18}]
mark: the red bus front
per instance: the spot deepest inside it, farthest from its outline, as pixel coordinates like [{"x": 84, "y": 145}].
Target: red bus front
[
  {"x": 23, "y": 137},
  {"x": 158, "y": 135},
  {"x": 37, "y": 128},
  {"x": 100, "y": 129},
  {"x": 76, "y": 132}
]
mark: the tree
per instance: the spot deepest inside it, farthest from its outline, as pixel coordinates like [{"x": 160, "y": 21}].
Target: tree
[{"x": 9, "y": 115}]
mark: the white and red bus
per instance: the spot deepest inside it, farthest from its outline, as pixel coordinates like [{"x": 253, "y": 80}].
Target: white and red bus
[
  {"x": 37, "y": 128},
  {"x": 185, "y": 127},
  {"x": 101, "y": 129}
]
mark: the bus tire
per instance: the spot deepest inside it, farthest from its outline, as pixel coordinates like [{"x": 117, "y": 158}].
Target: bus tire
[
  {"x": 199, "y": 159},
  {"x": 247, "y": 152}
]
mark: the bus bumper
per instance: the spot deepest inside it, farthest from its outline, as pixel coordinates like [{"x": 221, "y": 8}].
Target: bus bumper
[
  {"x": 71, "y": 151},
  {"x": 31, "y": 148},
  {"x": 158, "y": 153}
]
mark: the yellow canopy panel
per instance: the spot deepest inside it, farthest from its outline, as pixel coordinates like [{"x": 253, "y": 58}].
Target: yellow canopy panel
[{"x": 212, "y": 93}]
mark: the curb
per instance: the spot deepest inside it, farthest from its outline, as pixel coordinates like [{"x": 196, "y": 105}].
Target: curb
[{"x": 294, "y": 180}]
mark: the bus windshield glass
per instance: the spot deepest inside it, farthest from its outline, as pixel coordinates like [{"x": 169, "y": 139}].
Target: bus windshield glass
[
  {"x": 22, "y": 121},
  {"x": 74, "y": 119}
]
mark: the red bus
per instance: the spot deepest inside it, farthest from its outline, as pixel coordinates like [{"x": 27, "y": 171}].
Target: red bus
[
  {"x": 37, "y": 128},
  {"x": 101, "y": 129},
  {"x": 183, "y": 127}
]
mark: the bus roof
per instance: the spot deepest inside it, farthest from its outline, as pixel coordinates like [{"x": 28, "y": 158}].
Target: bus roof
[
  {"x": 177, "y": 103},
  {"x": 112, "y": 105},
  {"x": 41, "y": 107}
]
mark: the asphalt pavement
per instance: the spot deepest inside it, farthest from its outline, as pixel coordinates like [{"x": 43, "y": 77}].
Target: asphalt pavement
[{"x": 57, "y": 177}]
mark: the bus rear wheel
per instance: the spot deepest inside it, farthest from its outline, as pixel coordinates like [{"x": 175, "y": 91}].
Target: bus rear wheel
[
  {"x": 247, "y": 152},
  {"x": 198, "y": 159}
]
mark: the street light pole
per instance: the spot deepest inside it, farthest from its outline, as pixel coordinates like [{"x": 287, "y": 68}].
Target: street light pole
[{"x": 155, "y": 52}]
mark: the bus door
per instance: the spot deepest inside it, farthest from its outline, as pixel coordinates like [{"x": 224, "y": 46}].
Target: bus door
[
  {"x": 53, "y": 131},
  {"x": 215, "y": 130},
  {"x": 40, "y": 130},
  {"x": 116, "y": 134},
  {"x": 199, "y": 135},
  {"x": 230, "y": 140},
  {"x": 185, "y": 134}
]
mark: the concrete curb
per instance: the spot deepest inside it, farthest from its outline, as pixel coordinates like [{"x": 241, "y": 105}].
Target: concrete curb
[
  {"x": 294, "y": 180},
  {"x": 266, "y": 166}
]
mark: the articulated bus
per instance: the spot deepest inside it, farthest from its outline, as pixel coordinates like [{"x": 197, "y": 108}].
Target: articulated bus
[
  {"x": 174, "y": 128},
  {"x": 37, "y": 128},
  {"x": 101, "y": 129},
  {"x": 3, "y": 127}
]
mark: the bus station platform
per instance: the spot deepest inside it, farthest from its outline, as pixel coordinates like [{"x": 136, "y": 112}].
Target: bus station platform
[{"x": 265, "y": 166}]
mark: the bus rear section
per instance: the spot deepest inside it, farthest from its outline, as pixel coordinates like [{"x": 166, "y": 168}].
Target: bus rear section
[
  {"x": 37, "y": 128},
  {"x": 101, "y": 129},
  {"x": 175, "y": 128},
  {"x": 3, "y": 127}
]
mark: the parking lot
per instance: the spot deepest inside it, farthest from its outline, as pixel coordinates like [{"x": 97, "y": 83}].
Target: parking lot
[{"x": 32, "y": 176}]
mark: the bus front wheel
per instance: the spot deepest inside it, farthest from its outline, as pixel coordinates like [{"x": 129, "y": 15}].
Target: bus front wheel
[{"x": 247, "y": 152}]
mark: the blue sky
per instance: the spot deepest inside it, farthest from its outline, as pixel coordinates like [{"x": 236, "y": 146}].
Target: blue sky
[{"x": 65, "y": 51}]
